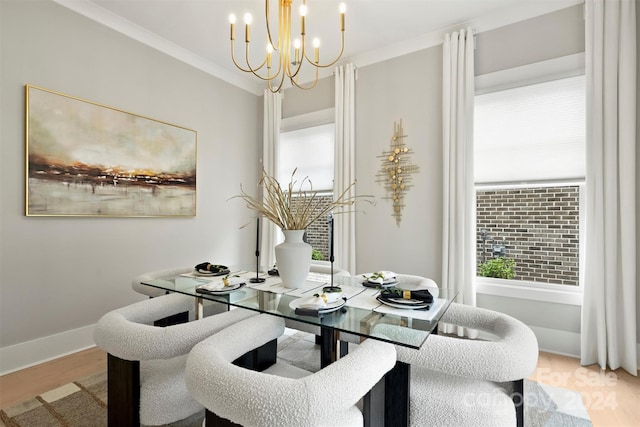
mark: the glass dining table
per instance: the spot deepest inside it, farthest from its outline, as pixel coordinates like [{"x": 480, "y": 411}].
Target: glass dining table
[{"x": 352, "y": 318}]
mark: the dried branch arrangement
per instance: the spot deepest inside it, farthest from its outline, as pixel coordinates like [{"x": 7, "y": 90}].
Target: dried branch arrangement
[{"x": 298, "y": 205}]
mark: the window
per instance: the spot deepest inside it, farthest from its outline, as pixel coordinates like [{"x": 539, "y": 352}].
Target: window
[
  {"x": 310, "y": 150},
  {"x": 307, "y": 145},
  {"x": 529, "y": 174}
]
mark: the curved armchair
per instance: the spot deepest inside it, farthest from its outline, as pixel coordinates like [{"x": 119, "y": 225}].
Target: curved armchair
[
  {"x": 325, "y": 398},
  {"x": 418, "y": 282},
  {"x": 150, "y": 291},
  {"x": 210, "y": 307},
  {"x": 324, "y": 267},
  {"x": 146, "y": 363},
  {"x": 467, "y": 372}
]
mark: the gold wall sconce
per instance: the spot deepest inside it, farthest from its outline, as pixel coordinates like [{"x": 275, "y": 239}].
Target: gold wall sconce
[{"x": 396, "y": 170}]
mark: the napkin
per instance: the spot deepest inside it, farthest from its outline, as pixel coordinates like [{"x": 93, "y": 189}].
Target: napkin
[
  {"x": 421, "y": 295},
  {"x": 218, "y": 285},
  {"x": 381, "y": 276},
  {"x": 213, "y": 286},
  {"x": 312, "y": 307}
]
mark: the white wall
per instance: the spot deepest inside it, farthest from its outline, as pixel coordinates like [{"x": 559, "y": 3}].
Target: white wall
[
  {"x": 59, "y": 275},
  {"x": 409, "y": 88}
]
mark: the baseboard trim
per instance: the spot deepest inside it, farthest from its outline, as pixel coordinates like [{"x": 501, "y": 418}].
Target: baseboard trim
[
  {"x": 558, "y": 342},
  {"x": 563, "y": 342},
  {"x": 20, "y": 356},
  {"x": 30, "y": 353}
]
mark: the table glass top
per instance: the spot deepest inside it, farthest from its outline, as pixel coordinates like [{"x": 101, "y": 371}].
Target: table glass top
[{"x": 359, "y": 312}]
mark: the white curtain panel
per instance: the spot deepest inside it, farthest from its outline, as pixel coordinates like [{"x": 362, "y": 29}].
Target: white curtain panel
[
  {"x": 344, "y": 167},
  {"x": 270, "y": 151},
  {"x": 458, "y": 239},
  {"x": 609, "y": 313}
]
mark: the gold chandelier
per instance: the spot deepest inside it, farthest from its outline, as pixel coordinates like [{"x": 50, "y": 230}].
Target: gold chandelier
[{"x": 288, "y": 65}]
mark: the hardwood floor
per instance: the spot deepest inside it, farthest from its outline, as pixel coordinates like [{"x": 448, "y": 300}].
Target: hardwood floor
[
  {"x": 30, "y": 382},
  {"x": 612, "y": 398}
]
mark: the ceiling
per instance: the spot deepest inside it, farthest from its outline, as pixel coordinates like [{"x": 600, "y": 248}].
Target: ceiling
[{"x": 197, "y": 31}]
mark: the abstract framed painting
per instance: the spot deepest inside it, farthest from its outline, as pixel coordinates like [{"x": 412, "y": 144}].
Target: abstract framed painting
[{"x": 88, "y": 159}]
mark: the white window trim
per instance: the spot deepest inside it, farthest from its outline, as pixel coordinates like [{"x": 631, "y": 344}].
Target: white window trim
[
  {"x": 560, "y": 294},
  {"x": 571, "y": 65},
  {"x": 538, "y": 72},
  {"x": 302, "y": 121}
]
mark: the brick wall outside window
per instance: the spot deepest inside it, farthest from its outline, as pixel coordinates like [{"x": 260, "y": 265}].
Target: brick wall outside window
[
  {"x": 539, "y": 228},
  {"x": 318, "y": 232}
]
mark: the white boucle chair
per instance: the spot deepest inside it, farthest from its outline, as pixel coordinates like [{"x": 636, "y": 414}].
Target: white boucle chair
[
  {"x": 324, "y": 267},
  {"x": 210, "y": 307},
  {"x": 146, "y": 382},
  {"x": 470, "y": 382},
  {"x": 150, "y": 291},
  {"x": 282, "y": 395}
]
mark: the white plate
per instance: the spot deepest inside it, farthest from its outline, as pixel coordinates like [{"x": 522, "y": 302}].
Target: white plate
[
  {"x": 405, "y": 306},
  {"x": 204, "y": 273},
  {"x": 216, "y": 288},
  {"x": 386, "y": 282},
  {"x": 331, "y": 306}
]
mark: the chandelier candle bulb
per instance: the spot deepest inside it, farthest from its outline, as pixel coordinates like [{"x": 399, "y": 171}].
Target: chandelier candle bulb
[
  {"x": 232, "y": 21},
  {"x": 343, "y": 9},
  {"x": 316, "y": 49},
  {"x": 247, "y": 27},
  {"x": 296, "y": 45}
]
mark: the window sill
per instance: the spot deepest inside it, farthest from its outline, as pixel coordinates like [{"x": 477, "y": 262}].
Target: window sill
[{"x": 529, "y": 290}]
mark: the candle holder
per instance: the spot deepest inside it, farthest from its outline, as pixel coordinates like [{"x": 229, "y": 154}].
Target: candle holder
[
  {"x": 331, "y": 288},
  {"x": 257, "y": 279}
]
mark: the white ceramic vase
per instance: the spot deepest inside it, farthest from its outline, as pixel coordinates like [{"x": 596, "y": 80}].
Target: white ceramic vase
[{"x": 293, "y": 258}]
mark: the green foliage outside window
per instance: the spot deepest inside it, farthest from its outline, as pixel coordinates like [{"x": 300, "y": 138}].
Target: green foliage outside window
[
  {"x": 316, "y": 255},
  {"x": 501, "y": 268}
]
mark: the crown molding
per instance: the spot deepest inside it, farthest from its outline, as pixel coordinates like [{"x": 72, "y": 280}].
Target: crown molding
[
  {"x": 501, "y": 18},
  {"x": 129, "y": 29},
  {"x": 489, "y": 22}
]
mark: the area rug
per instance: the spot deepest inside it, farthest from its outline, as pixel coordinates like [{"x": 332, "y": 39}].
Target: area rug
[{"x": 83, "y": 403}]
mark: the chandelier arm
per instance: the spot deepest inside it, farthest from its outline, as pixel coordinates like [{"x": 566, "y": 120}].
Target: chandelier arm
[
  {"x": 254, "y": 70},
  {"x": 299, "y": 86},
  {"x": 233, "y": 58},
  {"x": 279, "y": 68},
  {"x": 279, "y": 85},
  {"x": 266, "y": 18},
  {"x": 315, "y": 64}
]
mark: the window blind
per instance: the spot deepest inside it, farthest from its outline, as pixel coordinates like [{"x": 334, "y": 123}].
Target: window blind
[
  {"x": 531, "y": 133},
  {"x": 311, "y": 151}
]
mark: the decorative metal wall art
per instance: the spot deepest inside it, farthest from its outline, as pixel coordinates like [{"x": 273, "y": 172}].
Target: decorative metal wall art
[{"x": 396, "y": 170}]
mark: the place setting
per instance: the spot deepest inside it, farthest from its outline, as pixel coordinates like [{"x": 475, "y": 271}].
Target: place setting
[
  {"x": 379, "y": 279},
  {"x": 222, "y": 287},
  {"x": 421, "y": 299},
  {"x": 327, "y": 301},
  {"x": 207, "y": 269}
]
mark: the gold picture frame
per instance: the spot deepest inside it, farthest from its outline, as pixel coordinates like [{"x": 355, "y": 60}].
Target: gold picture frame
[{"x": 88, "y": 159}]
